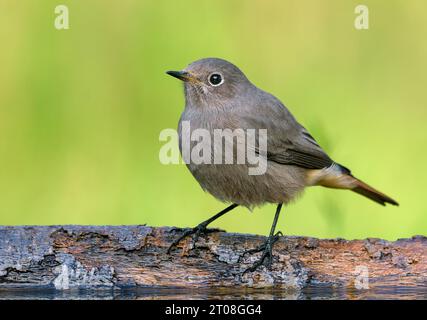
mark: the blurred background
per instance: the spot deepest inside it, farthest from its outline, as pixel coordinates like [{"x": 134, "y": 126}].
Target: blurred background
[{"x": 81, "y": 109}]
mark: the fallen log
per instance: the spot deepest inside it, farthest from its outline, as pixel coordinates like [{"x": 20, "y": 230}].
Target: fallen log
[{"x": 67, "y": 257}]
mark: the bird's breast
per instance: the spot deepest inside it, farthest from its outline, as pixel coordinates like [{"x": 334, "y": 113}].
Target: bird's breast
[{"x": 202, "y": 136}]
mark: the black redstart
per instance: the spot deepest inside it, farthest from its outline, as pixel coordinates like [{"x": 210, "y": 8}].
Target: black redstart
[{"x": 219, "y": 96}]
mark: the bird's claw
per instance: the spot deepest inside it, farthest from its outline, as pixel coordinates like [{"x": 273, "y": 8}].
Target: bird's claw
[
  {"x": 267, "y": 253},
  {"x": 196, "y": 232}
]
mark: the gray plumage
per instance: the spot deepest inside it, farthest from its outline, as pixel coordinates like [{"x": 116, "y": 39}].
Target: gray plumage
[{"x": 295, "y": 160}]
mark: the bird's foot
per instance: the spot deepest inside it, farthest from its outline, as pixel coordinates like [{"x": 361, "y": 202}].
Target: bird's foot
[
  {"x": 267, "y": 253},
  {"x": 195, "y": 232}
]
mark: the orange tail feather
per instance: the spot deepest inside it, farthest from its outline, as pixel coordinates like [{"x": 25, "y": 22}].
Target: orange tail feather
[{"x": 369, "y": 192}]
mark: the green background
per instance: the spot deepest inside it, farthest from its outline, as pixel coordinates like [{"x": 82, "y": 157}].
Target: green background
[{"x": 81, "y": 110}]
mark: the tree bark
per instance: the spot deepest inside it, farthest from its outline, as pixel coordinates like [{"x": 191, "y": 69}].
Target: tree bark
[{"x": 66, "y": 257}]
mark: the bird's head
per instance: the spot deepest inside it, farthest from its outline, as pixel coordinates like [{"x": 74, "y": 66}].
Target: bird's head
[{"x": 211, "y": 82}]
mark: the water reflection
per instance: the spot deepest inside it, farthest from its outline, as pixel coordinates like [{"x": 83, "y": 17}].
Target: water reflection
[{"x": 313, "y": 292}]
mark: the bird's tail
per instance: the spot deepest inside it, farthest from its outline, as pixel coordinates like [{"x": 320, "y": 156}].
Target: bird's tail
[
  {"x": 339, "y": 177},
  {"x": 369, "y": 192}
]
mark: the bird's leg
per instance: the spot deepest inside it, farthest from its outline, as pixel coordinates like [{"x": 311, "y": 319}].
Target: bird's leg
[
  {"x": 267, "y": 246},
  {"x": 201, "y": 228}
]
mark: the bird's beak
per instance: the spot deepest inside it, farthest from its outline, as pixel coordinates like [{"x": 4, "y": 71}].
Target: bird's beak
[{"x": 181, "y": 75}]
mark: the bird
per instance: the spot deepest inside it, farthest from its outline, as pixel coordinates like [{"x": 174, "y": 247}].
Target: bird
[{"x": 218, "y": 95}]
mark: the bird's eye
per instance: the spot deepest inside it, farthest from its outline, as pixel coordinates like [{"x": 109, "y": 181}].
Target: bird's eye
[{"x": 215, "y": 79}]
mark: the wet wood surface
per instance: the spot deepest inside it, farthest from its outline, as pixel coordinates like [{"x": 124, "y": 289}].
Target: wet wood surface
[{"x": 64, "y": 258}]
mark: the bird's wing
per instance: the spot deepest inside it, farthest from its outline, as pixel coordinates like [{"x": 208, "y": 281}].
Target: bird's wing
[
  {"x": 293, "y": 153},
  {"x": 288, "y": 142}
]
